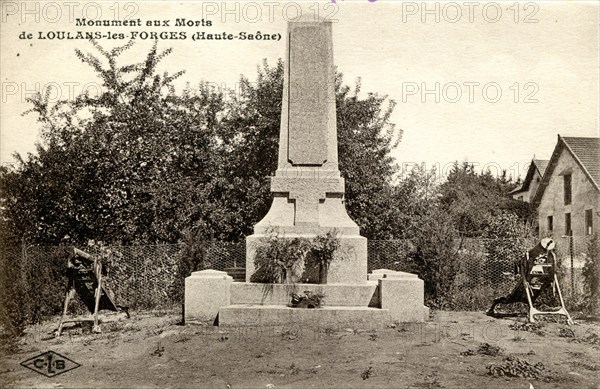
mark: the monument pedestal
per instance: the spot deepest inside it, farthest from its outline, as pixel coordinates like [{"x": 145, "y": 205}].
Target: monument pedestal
[
  {"x": 307, "y": 204},
  {"x": 348, "y": 267},
  {"x": 402, "y": 294},
  {"x": 387, "y": 296},
  {"x": 326, "y": 317},
  {"x": 308, "y": 200},
  {"x": 206, "y": 292}
]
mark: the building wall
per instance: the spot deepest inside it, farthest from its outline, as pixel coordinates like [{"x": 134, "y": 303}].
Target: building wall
[
  {"x": 584, "y": 196},
  {"x": 529, "y": 194},
  {"x": 533, "y": 185}
]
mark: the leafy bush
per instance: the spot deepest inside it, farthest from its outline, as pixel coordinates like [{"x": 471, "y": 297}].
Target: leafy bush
[
  {"x": 435, "y": 258},
  {"x": 46, "y": 283},
  {"x": 190, "y": 259},
  {"x": 13, "y": 316},
  {"x": 507, "y": 240},
  {"x": 32, "y": 287},
  {"x": 475, "y": 298},
  {"x": 591, "y": 274}
]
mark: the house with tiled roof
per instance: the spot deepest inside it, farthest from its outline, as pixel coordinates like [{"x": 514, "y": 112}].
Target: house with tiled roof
[
  {"x": 526, "y": 191},
  {"x": 568, "y": 196}
]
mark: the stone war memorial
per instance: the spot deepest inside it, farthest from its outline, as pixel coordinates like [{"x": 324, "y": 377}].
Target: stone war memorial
[{"x": 308, "y": 201}]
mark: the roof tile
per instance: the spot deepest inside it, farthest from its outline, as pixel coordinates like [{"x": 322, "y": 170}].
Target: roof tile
[
  {"x": 541, "y": 164},
  {"x": 588, "y": 152}
]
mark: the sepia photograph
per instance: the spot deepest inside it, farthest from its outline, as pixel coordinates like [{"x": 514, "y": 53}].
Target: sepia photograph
[{"x": 300, "y": 194}]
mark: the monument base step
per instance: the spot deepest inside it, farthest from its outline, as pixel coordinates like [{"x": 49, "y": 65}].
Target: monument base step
[{"x": 262, "y": 315}]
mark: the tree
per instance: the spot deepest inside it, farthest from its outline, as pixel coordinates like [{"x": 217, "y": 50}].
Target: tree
[
  {"x": 473, "y": 199},
  {"x": 469, "y": 197},
  {"x": 507, "y": 238},
  {"x": 431, "y": 231},
  {"x": 366, "y": 138},
  {"x": 129, "y": 165},
  {"x": 141, "y": 163},
  {"x": 435, "y": 258},
  {"x": 248, "y": 146},
  {"x": 414, "y": 198}
]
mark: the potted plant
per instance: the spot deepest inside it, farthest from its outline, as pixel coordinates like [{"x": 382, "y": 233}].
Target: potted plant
[
  {"x": 323, "y": 252},
  {"x": 278, "y": 259}
]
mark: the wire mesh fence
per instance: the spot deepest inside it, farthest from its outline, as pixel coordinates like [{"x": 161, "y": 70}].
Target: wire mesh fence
[
  {"x": 572, "y": 253},
  {"x": 145, "y": 276},
  {"x": 484, "y": 268}
]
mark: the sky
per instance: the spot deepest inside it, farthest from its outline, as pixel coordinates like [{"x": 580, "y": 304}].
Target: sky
[{"x": 489, "y": 83}]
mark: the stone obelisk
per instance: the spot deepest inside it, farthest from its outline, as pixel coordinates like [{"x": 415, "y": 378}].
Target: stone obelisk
[{"x": 308, "y": 191}]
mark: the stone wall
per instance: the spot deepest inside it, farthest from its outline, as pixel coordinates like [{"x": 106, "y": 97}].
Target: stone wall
[{"x": 584, "y": 196}]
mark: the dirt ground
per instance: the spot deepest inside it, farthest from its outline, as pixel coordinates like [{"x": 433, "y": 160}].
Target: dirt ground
[{"x": 453, "y": 351}]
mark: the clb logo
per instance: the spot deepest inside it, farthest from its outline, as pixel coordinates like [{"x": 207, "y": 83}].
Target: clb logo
[{"x": 50, "y": 364}]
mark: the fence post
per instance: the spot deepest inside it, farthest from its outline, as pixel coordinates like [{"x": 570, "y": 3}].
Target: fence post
[{"x": 572, "y": 263}]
